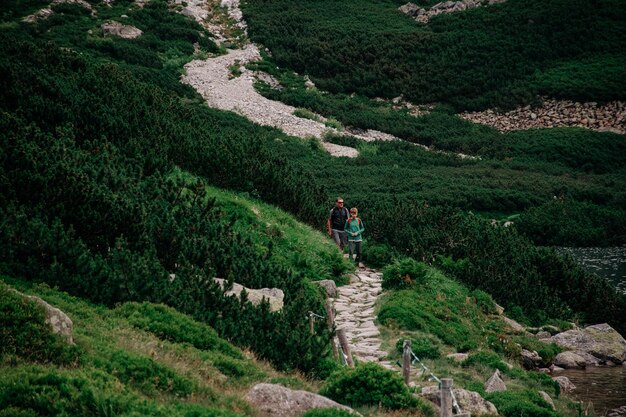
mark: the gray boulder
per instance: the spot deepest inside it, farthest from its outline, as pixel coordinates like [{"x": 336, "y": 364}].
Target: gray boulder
[
  {"x": 530, "y": 360},
  {"x": 329, "y": 287},
  {"x": 547, "y": 399},
  {"x": 569, "y": 360},
  {"x": 58, "y": 321},
  {"x": 565, "y": 384},
  {"x": 469, "y": 401},
  {"x": 274, "y": 296},
  {"x": 599, "y": 340},
  {"x": 410, "y": 8},
  {"x": 272, "y": 400},
  {"x": 495, "y": 383},
  {"x": 114, "y": 28},
  {"x": 458, "y": 357},
  {"x": 513, "y": 324}
]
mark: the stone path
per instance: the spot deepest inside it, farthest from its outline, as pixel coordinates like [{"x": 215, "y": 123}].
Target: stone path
[{"x": 355, "y": 313}]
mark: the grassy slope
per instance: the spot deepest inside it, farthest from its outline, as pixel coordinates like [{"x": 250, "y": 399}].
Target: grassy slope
[
  {"x": 125, "y": 367},
  {"x": 442, "y": 316},
  {"x": 294, "y": 244}
]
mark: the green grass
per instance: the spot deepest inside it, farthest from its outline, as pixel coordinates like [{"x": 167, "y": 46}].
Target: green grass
[
  {"x": 130, "y": 363},
  {"x": 442, "y": 316},
  {"x": 293, "y": 244}
]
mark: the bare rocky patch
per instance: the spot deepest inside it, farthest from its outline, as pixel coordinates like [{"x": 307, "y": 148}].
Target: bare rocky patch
[{"x": 609, "y": 117}]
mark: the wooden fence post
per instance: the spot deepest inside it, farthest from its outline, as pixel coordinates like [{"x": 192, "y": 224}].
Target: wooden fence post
[
  {"x": 343, "y": 341},
  {"x": 446, "y": 397},
  {"x": 311, "y": 322},
  {"x": 406, "y": 361}
]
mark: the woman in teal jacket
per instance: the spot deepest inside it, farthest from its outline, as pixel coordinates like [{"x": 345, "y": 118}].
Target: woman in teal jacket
[{"x": 354, "y": 229}]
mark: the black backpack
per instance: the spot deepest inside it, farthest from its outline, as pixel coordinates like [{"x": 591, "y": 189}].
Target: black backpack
[{"x": 338, "y": 217}]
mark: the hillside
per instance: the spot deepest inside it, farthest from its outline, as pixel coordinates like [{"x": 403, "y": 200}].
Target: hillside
[
  {"x": 124, "y": 193},
  {"x": 136, "y": 359}
]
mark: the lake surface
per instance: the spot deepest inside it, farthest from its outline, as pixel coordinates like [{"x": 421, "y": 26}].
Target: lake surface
[
  {"x": 606, "y": 262},
  {"x": 604, "y": 388}
]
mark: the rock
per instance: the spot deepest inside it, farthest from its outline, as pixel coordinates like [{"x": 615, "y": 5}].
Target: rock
[
  {"x": 547, "y": 399},
  {"x": 274, "y": 296},
  {"x": 410, "y": 8},
  {"x": 308, "y": 83},
  {"x": 565, "y": 384},
  {"x": 278, "y": 401},
  {"x": 458, "y": 357},
  {"x": 499, "y": 309},
  {"x": 495, "y": 383},
  {"x": 469, "y": 401},
  {"x": 569, "y": 360},
  {"x": 114, "y": 28},
  {"x": 58, "y": 321},
  {"x": 530, "y": 360},
  {"x": 599, "y": 340},
  {"x": 513, "y": 324},
  {"x": 329, "y": 286},
  {"x": 543, "y": 335}
]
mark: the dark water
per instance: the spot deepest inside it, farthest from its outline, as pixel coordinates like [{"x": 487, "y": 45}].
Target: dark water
[
  {"x": 605, "y": 388},
  {"x": 606, "y": 262}
]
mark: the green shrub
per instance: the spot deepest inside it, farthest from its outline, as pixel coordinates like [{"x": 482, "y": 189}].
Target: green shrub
[
  {"x": 488, "y": 359},
  {"x": 404, "y": 273},
  {"x": 144, "y": 374},
  {"x": 378, "y": 255},
  {"x": 306, "y": 114},
  {"x": 422, "y": 348},
  {"x": 521, "y": 404},
  {"x": 24, "y": 333},
  {"x": 368, "y": 384},
  {"x": 168, "y": 324},
  {"x": 484, "y": 301}
]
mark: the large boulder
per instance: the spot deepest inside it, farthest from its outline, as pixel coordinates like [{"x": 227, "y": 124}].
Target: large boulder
[
  {"x": 565, "y": 384},
  {"x": 272, "y": 400},
  {"x": 495, "y": 383},
  {"x": 546, "y": 397},
  {"x": 274, "y": 296},
  {"x": 58, "y": 321},
  {"x": 329, "y": 287},
  {"x": 530, "y": 359},
  {"x": 469, "y": 401},
  {"x": 570, "y": 360},
  {"x": 515, "y": 326},
  {"x": 410, "y": 8},
  {"x": 114, "y": 28},
  {"x": 599, "y": 340}
]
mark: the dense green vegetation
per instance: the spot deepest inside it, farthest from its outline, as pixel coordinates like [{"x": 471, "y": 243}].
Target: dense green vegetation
[
  {"x": 107, "y": 163},
  {"x": 89, "y": 201},
  {"x": 370, "y": 384},
  {"x": 442, "y": 316},
  {"x": 500, "y": 55},
  {"x": 118, "y": 368}
]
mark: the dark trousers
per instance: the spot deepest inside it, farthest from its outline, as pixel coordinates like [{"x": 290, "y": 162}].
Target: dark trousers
[{"x": 355, "y": 247}]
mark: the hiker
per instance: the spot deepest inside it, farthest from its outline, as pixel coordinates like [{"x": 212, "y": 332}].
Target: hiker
[
  {"x": 336, "y": 222},
  {"x": 354, "y": 228}
]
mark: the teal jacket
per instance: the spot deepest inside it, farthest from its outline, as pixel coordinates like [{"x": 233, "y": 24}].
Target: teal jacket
[{"x": 354, "y": 226}]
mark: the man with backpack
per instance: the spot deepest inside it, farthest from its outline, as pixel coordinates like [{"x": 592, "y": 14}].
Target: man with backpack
[
  {"x": 336, "y": 222},
  {"x": 354, "y": 229}
]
